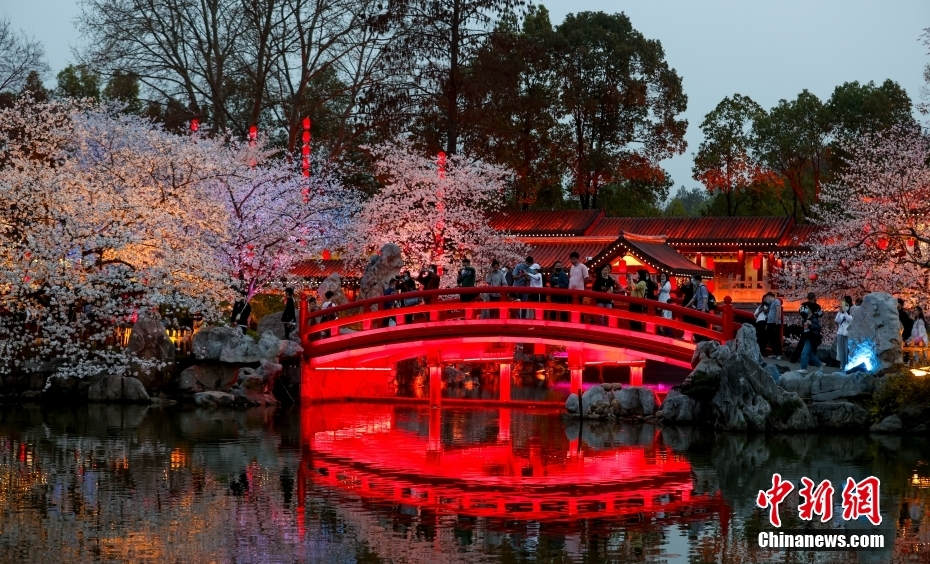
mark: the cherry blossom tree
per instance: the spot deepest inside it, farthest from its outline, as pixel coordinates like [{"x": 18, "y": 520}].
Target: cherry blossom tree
[
  {"x": 102, "y": 216},
  {"x": 277, "y": 216},
  {"x": 437, "y": 212},
  {"x": 874, "y": 221}
]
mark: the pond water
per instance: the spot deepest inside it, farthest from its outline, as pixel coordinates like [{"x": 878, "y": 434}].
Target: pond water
[{"x": 402, "y": 483}]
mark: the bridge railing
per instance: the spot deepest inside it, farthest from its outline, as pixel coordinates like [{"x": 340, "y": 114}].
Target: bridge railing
[{"x": 523, "y": 305}]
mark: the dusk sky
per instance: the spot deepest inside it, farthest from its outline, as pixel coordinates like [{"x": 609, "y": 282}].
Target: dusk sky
[{"x": 766, "y": 50}]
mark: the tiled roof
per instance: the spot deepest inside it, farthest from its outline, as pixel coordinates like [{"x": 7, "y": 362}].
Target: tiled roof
[
  {"x": 759, "y": 230},
  {"x": 798, "y": 235},
  {"x": 651, "y": 250},
  {"x": 567, "y": 222},
  {"x": 547, "y": 251},
  {"x": 318, "y": 268}
]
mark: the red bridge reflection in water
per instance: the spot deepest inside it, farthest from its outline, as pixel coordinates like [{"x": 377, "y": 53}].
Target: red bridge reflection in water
[{"x": 494, "y": 463}]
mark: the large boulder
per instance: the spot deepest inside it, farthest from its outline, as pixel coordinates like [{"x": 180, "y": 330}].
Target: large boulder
[
  {"x": 876, "y": 326},
  {"x": 379, "y": 271},
  {"x": 798, "y": 382},
  {"x": 271, "y": 323},
  {"x": 731, "y": 389},
  {"x": 242, "y": 349},
  {"x": 203, "y": 377},
  {"x": 65, "y": 388},
  {"x": 596, "y": 403},
  {"x": 149, "y": 343},
  {"x": 208, "y": 343},
  {"x": 838, "y": 385},
  {"x": 636, "y": 401},
  {"x": 332, "y": 283},
  {"x": 113, "y": 388},
  {"x": 890, "y": 424},
  {"x": 214, "y": 399},
  {"x": 840, "y": 415},
  {"x": 679, "y": 408}
]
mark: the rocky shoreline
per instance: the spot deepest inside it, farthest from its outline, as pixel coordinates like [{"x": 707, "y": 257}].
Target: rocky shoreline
[{"x": 732, "y": 388}]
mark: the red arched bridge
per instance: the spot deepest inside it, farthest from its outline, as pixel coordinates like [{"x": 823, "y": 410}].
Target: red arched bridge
[{"x": 483, "y": 323}]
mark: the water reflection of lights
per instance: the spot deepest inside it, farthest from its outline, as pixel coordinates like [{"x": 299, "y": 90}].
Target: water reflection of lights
[
  {"x": 178, "y": 459},
  {"x": 512, "y": 476},
  {"x": 922, "y": 482}
]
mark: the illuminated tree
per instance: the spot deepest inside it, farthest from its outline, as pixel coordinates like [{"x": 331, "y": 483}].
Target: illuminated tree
[
  {"x": 435, "y": 219},
  {"x": 874, "y": 224},
  {"x": 102, "y": 216},
  {"x": 277, "y": 217}
]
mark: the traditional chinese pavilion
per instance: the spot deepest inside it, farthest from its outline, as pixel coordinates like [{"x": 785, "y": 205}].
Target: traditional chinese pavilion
[{"x": 735, "y": 254}]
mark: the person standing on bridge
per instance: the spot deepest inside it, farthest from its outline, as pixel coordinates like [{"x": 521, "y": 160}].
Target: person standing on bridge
[
  {"x": 638, "y": 288},
  {"x": 605, "y": 283},
  {"x": 466, "y": 279},
  {"x": 289, "y": 315},
  {"x": 429, "y": 280},
  {"x": 578, "y": 273},
  {"x": 559, "y": 279},
  {"x": 521, "y": 279},
  {"x": 495, "y": 278}
]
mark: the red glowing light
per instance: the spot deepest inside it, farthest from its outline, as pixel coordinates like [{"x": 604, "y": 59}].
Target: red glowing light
[
  {"x": 757, "y": 262},
  {"x": 778, "y": 263},
  {"x": 709, "y": 263},
  {"x": 813, "y": 276},
  {"x": 253, "y": 133},
  {"x": 195, "y": 125},
  {"x": 307, "y": 123},
  {"x": 911, "y": 242},
  {"x": 327, "y": 254},
  {"x": 882, "y": 243}
]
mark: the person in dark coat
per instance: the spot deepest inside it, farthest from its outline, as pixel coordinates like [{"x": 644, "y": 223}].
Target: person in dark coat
[
  {"x": 241, "y": 312},
  {"x": 907, "y": 324},
  {"x": 289, "y": 315},
  {"x": 466, "y": 279}
]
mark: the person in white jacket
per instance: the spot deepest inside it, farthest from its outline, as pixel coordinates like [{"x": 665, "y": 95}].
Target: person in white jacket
[
  {"x": 843, "y": 319},
  {"x": 919, "y": 330}
]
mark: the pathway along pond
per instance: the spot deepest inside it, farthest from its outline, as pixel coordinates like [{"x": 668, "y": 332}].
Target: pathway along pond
[{"x": 387, "y": 482}]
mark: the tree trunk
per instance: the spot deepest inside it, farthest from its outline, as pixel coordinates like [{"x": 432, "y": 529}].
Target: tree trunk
[{"x": 452, "y": 91}]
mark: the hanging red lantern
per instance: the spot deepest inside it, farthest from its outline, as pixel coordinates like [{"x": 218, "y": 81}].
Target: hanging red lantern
[
  {"x": 740, "y": 254},
  {"x": 253, "y": 134},
  {"x": 882, "y": 243},
  {"x": 195, "y": 125},
  {"x": 327, "y": 254},
  {"x": 757, "y": 261},
  {"x": 911, "y": 243},
  {"x": 621, "y": 267},
  {"x": 813, "y": 276},
  {"x": 709, "y": 263},
  {"x": 778, "y": 263}
]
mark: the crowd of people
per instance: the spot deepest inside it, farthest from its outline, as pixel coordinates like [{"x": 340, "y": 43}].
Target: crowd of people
[
  {"x": 769, "y": 320},
  {"x": 691, "y": 293}
]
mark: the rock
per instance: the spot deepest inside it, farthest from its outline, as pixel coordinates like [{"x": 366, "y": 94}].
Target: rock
[
  {"x": 636, "y": 401},
  {"x": 208, "y": 343},
  {"x": 571, "y": 404},
  {"x": 679, "y": 408},
  {"x": 203, "y": 377},
  {"x": 877, "y": 326},
  {"x": 214, "y": 398},
  {"x": 731, "y": 389},
  {"x": 379, "y": 271},
  {"x": 774, "y": 372},
  {"x": 890, "y": 424},
  {"x": 838, "y": 385},
  {"x": 113, "y": 388},
  {"x": 332, "y": 283},
  {"x": 797, "y": 382},
  {"x": 261, "y": 378},
  {"x": 252, "y": 398},
  {"x": 840, "y": 415},
  {"x": 149, "y": 340},
  {"x": 290, "y": 350},
  {"x": 271, "y": 323},
  {"x": 242, "y": 349},
  {"x": 596, "y": 403}
]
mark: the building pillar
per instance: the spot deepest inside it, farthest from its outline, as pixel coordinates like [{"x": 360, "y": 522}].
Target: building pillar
[
  {"x": 576, "y": 366},
  {"x": 504, "y": 382}
]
